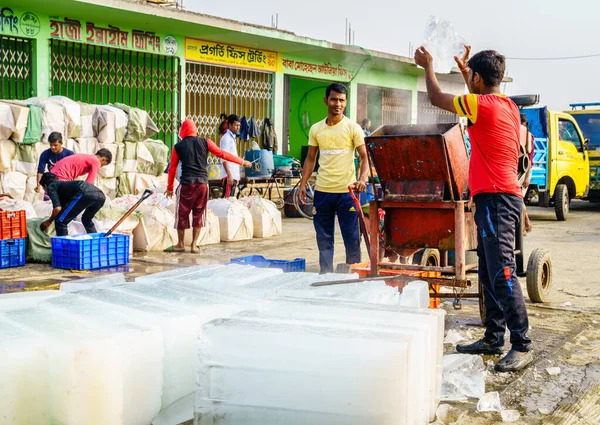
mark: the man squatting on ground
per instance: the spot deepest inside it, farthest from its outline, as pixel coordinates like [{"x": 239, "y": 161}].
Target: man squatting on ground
[
  {"x": 494, "y": 131},
  {"x": 335, "y": 139},
  {"x": 69, "y": 199},
  {"x": 192, "y": 193}
]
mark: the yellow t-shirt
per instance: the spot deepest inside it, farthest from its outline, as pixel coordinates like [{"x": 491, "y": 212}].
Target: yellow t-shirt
[{"x": 336, "y": 153}]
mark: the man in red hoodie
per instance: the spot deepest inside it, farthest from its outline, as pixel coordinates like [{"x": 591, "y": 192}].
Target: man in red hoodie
[{"x": 192, "y": 193}]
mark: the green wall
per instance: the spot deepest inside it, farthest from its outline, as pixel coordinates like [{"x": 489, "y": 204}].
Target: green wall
[{"x": 306, "y": 96}]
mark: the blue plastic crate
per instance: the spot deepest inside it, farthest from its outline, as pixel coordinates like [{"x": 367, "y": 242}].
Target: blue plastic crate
[
  {"x": 89, "y": 254},
  {"x": 297, "y": 265},
  {"x": 12, "y": 253}
]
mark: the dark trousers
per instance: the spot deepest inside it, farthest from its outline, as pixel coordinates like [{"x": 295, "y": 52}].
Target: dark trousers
[
  {"x": 497, "y": 217},
  {"x": 327, "y": 206},
  {"x": 191, "y": 198},
  {"x": 229, "y": 189},
  {"x": 89, "y": 202}
]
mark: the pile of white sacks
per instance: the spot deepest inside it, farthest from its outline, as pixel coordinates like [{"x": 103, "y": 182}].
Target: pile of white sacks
[
  {"x": 223, "y": 344},
  {"x": 139, "y": 162},
  {"x": 152, "y": 226}
]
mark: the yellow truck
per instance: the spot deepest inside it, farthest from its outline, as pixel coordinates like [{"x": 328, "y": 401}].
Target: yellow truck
[
  {"x": 560, "y": 169},
  {"x": 587, "y": 116}
]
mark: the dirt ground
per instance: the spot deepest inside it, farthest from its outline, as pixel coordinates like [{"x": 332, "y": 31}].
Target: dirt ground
[{"x": 565, "y": 331}]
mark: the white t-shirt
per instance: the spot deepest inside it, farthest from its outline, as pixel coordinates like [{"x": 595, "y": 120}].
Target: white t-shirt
[{"x": 229, "y": 143}]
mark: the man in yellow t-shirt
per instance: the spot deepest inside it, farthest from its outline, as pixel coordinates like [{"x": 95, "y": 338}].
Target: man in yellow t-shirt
[{"x": 335, "y": 139}]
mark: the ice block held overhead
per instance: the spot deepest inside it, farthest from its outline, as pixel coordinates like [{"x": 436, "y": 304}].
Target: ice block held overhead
[{"x": 443, "y": 42}]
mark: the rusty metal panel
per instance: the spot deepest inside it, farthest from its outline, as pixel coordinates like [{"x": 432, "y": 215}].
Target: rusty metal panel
[
  {"x": 426, "y": 228},
  {"x": 405, "y": 156}
]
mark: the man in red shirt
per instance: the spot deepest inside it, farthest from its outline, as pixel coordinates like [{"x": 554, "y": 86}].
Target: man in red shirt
[
  {"x": 80, "y": 164},
  {"x": 192, "y": 193},
  {"x": 494, "y": 132}
]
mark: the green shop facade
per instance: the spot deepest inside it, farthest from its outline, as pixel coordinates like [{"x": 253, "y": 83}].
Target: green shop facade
[{"x": 176, "y": 64}]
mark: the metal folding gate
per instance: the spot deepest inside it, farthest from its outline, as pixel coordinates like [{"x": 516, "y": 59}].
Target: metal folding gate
[
  {"x": 101, "y": 75},
  {"x": 395, "y": 106},
  {"x": 429, "y": 114},
  {"x": 213, "y": 90},
  {"x": 16, "y": 62}
]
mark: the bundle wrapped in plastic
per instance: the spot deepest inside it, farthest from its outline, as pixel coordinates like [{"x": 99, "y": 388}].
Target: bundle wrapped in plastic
[
  {"x": 26, "y": 159},
  {"x": 87, "y": 145},
  {"x": 130, "y": 156},
  {"x": 108, "y": 186},
  {"x": 109, "y": 123},
  {"x": 8, "y": 150},
  {"x": 14, "y": 184},
  {"x": 39, "y": 243},
  {"x": 235, "y": 219},
  {"x": 108, "y": 216},
  {"x": 140, "y": 126},
  {"x": 265, "y": 216},
  {"x": 72, "y": 113},
  {"x": 125, "y": 184},
  {"x": 7, "y": 121},
  {"x": 210, "y": 233},
  {"x": 8, "y": 204},
  {"x": 148, "y": 181},
  {"x": 115, "y": 168},
  {"x": 43, "y": 208},
  {"x": 156, "y": 231},
  {"x": 21, "y": 116},
  {"x": 87, "y": 113},
  {"x": 152, "y": 157},
  {"x": 30, "y": 194},
  {"x": 53, "y": 116}
]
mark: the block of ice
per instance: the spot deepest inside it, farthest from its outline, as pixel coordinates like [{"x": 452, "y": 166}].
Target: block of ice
[
  {"x": 21, "y": 300},
  {"x": 179, "y": 327},
  {"x": 463, "y": 377},
  {"x": 415, "y": 294},
  {"x": 100, "y": 282},
  {"x": 377, "y": 315},
  {"x": 24, "y": 385},
  {"x": 415, "y": 335},
  {"x": 98, "y": 375},
  {"x": 232, "y": 274},
  {"x": 279, "y": 373},
  {"x": 175, "y": 273}
]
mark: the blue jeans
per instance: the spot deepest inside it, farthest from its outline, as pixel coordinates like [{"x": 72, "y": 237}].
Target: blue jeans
[
  {"x": 327, "y": 206},
  {"x": 497, "y": 217}
]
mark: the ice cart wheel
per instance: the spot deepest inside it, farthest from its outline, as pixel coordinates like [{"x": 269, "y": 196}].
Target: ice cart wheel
[
  {"x": 427, "y": 257},
  {"x": 481, "y": 304},
  {"x": 561, "y": 202},
  {"x": 539, "y": 275}
]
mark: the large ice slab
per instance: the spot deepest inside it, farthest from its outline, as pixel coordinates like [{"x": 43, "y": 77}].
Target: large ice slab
[
  {"x": 21, "y": 300},
  {"x": 176, "y": 273},
  {"x": 24, "y": 385},
  {"x": 98, "y": 375},
  {"x": 271, "y": 372},
  {"x": 430, "y": 321},
  {"x": 100, "y": 282}
]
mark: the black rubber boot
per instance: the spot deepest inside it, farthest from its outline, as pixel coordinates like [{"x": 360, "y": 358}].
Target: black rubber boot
[
  {"x": 478, "y": 347},
  {"x": 514, "y": 361}
]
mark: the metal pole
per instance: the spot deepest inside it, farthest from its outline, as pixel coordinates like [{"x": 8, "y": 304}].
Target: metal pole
[
  {"x": 374, "y": 236},
  {"x": 459, "y": 240}
]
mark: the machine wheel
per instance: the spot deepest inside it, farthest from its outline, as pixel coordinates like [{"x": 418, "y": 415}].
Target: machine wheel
[
  {"x": 539, "y": 275},
  {"x": 482, "y": 311},
  {"x": 427, "y": 257},
  {"x": 561, "y": 202}
]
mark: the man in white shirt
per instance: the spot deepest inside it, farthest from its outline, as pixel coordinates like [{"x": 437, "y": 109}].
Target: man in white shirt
[{"x": 229, "y": 143}]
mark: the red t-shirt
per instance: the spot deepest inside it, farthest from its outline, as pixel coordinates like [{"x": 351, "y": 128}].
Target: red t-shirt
[
  {"x": 71, "y": 167},
  {"x": 494, "y": 132}
]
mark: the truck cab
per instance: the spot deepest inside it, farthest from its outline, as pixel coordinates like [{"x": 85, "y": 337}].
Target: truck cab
[
  {"x": 587, "y": 116},
  {"x": 560, "y": 169}
]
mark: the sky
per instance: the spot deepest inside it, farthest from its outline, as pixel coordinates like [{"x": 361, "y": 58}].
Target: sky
[{"x": 515, "y": 28}]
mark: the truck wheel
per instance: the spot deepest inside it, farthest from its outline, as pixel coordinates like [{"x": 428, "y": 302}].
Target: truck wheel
[
  {"x": 561, "y": 202},
  {"x": 539, "y": 275},
  {"x": 427, "y": 257}
]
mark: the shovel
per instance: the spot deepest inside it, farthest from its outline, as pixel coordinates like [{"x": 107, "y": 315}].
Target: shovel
[
  {"x": 147, "y": 193},
  {"x": 361, "y": 218}
]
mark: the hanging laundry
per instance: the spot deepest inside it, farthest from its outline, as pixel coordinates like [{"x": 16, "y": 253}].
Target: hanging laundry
[
  {"x": 269, "y": 136},
  {"x": 244, "y": 129},
  {"x": 253, "y": 128}
]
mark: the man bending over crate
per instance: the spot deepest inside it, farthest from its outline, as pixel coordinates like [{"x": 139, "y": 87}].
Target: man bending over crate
[
  {"x": 192, "y": 193},
  {"x": 494, "y": 132},
  {"x": 69, "y": 199},
  {"x": 80, "y": 164}
]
